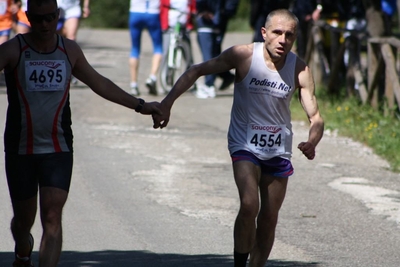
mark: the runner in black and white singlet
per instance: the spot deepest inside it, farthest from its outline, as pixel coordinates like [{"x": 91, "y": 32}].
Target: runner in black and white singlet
[
  {"x": 260, "y": 131},
  {"x": 38, "y": 137},
  {"x": 39, "y": 116}
]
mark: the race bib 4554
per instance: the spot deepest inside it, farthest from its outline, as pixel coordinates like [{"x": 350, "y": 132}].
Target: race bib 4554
[{"x": 266, "y": 139}]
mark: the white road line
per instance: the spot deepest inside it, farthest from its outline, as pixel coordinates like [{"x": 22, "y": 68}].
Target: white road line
[{"x": 380, "y": 200}]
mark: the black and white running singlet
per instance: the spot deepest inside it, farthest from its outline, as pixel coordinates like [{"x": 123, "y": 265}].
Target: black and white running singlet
[{"x": 38, "y": 114}]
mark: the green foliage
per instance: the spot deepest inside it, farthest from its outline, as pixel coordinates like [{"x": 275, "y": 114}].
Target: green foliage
[
  {"x": 115, "y": 14},
  {"x": 107, "y": 14},
  {"x": 239, "y": 25},
  {"x": 361, "y": 123},
  {"x": 243, "y": 10},
  {"x": 241, "y": 22}
]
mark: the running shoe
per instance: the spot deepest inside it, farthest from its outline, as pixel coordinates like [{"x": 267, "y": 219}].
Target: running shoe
[
  {"x": 74, "y": 80},
  {"x": 205, "y": 92},
  {"x": 152, "y": 86},
  {"x": 26, "y": 261},
  {"x": 135, "y": 91}
]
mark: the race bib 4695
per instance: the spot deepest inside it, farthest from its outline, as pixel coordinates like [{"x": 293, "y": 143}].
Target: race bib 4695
[{"x": 45, "y": 75}]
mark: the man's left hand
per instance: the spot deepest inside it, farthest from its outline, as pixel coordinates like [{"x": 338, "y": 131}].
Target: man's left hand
[{"x": 308, "y": 149}]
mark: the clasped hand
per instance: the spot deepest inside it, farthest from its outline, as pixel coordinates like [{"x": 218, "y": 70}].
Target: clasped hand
[{"x": 160, "y": 120}]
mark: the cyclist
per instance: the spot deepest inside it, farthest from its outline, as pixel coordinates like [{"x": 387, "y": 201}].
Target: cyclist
[{"x": 171, "y": 13}]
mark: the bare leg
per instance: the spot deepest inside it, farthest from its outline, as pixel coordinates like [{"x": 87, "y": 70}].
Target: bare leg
[
  {"x": 272, "y": 191},
  {"x": 52, "y": 201},
  {"x": 70, "y": 28},
  {"x": 21, "y": 29},
  {"x": 155, "y": 64},
  {"x": 3, "y": 39},
  {"x": 134, "y": 66},
  {"x": 21, "y": 224},
  {"x": 246, "y": 177}
]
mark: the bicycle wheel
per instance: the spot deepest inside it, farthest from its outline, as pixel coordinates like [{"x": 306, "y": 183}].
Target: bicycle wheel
[
  {"x": 181, "y": 62},
  {"x": 165, "y": 82}
]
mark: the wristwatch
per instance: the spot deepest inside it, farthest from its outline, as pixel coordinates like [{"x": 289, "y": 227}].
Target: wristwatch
[{"x": 140, "y": 105}]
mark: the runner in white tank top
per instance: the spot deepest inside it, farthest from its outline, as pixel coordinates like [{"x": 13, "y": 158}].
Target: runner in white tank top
[
  {"x": 272, "y": 90},
  {"x": 260, "y": 133}
]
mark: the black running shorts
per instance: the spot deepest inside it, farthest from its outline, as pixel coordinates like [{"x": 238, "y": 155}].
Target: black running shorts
[{"x": 25, "y": 173}]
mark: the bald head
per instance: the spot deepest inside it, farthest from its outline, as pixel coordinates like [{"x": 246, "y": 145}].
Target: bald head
[{"x": 282, "y": 13}]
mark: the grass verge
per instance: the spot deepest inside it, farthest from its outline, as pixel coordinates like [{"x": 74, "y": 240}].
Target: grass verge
[{"x": 360, "y": 122}]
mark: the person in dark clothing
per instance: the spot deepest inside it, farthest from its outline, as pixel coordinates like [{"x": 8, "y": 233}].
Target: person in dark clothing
[
  {"x": 312, "y": 10},
  {"x": 259, "y": 10},
  {"x": 303, "y": 10},
  {"x": 212, "y": 21}
]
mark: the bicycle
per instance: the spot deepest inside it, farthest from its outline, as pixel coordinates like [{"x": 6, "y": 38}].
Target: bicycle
[{"x": 178, "y": 57}]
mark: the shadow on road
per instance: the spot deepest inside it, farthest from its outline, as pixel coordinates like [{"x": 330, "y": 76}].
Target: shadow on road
[{"x": 112, "y": 258}]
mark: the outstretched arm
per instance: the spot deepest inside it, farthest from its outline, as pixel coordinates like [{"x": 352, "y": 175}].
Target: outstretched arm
[
  {"x": 310, "y": 106},
  {"x": 104, "y": 87},
  {"x": 224, "y": 62}
]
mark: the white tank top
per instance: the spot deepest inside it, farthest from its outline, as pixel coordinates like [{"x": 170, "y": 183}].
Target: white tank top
[
  {"x": 145, "y": 6},
  {"x": 260, "y": 117}
]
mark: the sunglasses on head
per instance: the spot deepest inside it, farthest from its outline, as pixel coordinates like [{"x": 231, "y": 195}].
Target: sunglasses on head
[{"x": 49, "y": 17}]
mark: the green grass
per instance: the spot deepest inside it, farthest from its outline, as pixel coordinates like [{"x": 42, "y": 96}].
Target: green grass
[
  {"x": 362, "y": 123},
  {"x": 239, "y": 25}
]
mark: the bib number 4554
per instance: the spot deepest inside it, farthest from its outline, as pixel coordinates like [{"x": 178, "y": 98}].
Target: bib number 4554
[
  {"x": 266, "y": 139},
  {"x": 263, "y": 140}
]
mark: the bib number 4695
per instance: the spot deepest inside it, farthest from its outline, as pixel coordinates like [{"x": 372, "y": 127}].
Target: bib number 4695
[{"x": 42, "y": 77}]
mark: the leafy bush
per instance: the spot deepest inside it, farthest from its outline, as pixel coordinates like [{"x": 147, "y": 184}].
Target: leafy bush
[
  {"x": 115, "y": 14},
  {"x": 107, "y": 14},
  {"x": 360, "y": 122}
]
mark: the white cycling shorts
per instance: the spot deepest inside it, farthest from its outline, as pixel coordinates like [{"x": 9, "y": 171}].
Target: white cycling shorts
[{"x": 72, "y": 12}]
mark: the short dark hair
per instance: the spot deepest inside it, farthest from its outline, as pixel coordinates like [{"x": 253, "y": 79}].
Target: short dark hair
[
  {"x": 281, "y": 12},
  {"x": 40, "y": 3}
]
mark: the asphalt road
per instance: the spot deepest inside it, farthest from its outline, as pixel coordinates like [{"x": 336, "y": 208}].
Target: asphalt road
[{"x": 145, "y": 197}]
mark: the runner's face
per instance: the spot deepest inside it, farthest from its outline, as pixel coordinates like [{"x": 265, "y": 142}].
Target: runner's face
[
  {"x": 279, "y": 36},
  {"x": 43, "y": 19}
]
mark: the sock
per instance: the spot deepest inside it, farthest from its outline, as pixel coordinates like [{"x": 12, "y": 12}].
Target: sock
[
  {"x": 240, "y": 259},
  {"x": 133, "y": 84},
  {"x": 153, "y": 77},
  {"x": 22, "y": 258}
]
